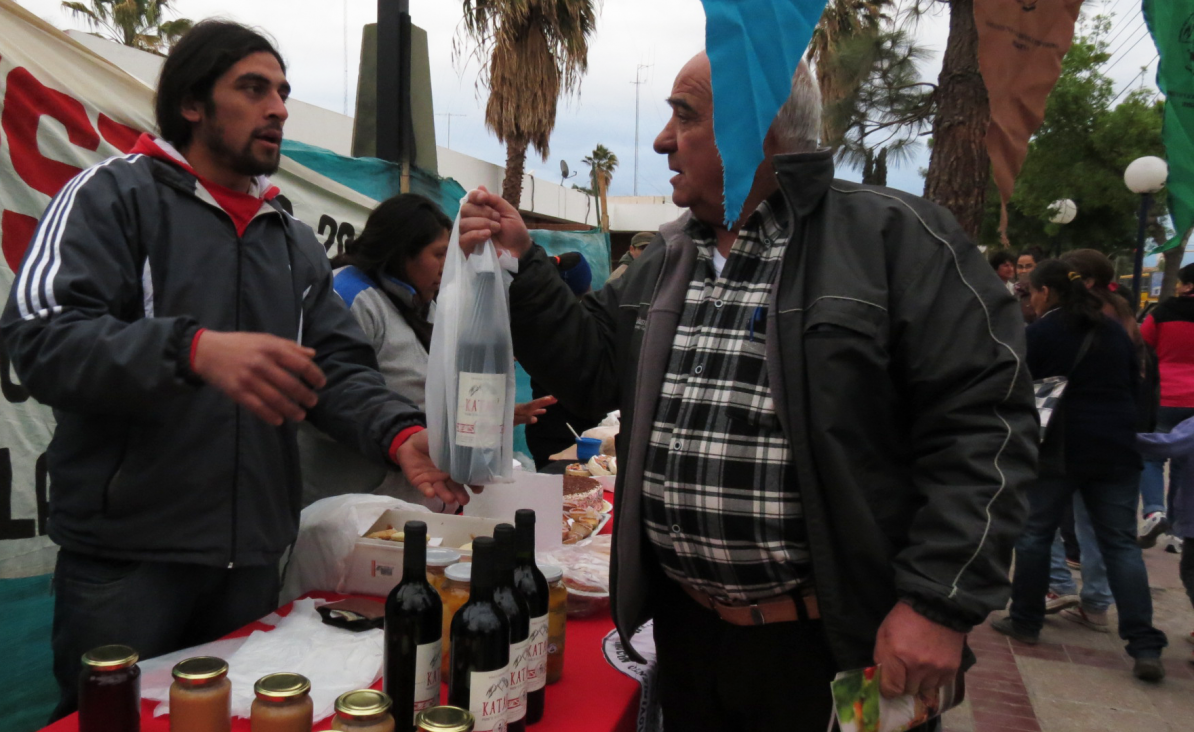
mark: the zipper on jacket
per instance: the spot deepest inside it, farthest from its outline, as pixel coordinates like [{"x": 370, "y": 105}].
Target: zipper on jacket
[{"x": 236, "y": 407}]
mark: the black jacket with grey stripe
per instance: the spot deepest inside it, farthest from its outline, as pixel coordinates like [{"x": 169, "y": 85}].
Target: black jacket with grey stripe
[
  {"x": 897, "y": 368},
  {"x": 147, "y": 462}
]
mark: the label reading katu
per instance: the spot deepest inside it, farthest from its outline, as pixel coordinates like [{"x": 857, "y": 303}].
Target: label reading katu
[
  {"x": 427, "y": 669},
  {"x": 487, "y": 699},
  {"x": 480, "y": 410},
  {"x": 516, "y": 693},
  {"x": 536, "y": 663}
]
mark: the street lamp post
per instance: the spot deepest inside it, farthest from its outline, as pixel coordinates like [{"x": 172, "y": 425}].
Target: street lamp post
[
  {"x": 1063, "y": 212},
  {"x": 1145, "y": 176}
]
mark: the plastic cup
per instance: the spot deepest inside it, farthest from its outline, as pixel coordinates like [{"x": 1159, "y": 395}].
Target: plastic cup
[{"x": 586, "y": 448}]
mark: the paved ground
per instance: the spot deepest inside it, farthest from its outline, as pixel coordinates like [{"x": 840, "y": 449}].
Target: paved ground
[{"x": 1078, "y": 680}]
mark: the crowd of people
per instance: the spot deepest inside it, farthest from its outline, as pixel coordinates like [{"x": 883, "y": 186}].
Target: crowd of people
[{"x": 829, "y": 441}]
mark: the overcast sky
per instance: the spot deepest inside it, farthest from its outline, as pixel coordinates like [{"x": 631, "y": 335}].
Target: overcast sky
[{"x": 661, "y": 35}]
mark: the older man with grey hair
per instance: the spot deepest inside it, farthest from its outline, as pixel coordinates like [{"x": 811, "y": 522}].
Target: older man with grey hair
[{"x": 826, "y": 424}]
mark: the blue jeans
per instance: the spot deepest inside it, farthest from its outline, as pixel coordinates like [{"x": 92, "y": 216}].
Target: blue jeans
[
  {"x": 1152, "y": 480},
  {"x": 1096, "y": 594},
  {"x": 1111, "y": 505}
]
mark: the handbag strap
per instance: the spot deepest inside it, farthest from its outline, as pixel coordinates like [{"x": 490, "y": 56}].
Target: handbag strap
[{"x": 1086, "y": 343}]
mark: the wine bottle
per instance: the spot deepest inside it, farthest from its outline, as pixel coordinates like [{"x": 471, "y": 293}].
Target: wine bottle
[
  {"x": 512, "y": 603},
  {"x": 413, "y": 634},
  {"x": 483, "y": 367},
  {"x": 480, "y": 647},
  {"x": 533, "y": 585}
]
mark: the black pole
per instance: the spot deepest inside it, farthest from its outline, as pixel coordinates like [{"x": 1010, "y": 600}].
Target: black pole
[
  {"x": 395, "y": 138},
  {"x": 1146, "y": 200}
]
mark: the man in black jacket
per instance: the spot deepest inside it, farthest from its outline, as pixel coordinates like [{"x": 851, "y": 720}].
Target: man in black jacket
[
  {"x": 826, "y": 424},
  {"x": 180, "y": 323}
]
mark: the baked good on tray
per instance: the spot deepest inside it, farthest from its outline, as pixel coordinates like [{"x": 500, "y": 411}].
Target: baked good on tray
[{"x": 581, "y": 491}]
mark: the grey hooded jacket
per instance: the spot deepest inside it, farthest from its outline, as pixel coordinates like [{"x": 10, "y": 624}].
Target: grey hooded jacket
[
  {"x": 898, "y": 375},
  {"x": 148, "y": 462}
]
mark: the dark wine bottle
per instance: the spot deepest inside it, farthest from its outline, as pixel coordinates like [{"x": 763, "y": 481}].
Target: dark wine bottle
[
  {"x": 533, "y": 586},
  {"x": 413, "y": 634},
  {"x": 514, "y": 605},
  {"x": 480, "y": 648},
  {"x": 483, "y": 367}
]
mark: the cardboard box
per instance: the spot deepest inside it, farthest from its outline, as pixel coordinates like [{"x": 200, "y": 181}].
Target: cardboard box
[
  {"x": 376, "y": 564},
  {"x": 543, "y": 494}
]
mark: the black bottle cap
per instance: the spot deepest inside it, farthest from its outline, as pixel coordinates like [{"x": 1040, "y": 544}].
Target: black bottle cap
[
  {"x": 415, "y": 528},
  {"x": 483, "y": 556},
  {"x": 503, "y": 539}
]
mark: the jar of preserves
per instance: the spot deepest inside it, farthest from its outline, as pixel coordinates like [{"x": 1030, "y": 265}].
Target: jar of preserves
[
  {"x": 454, "y": 594},
  {"x": 283, "y": 704},
  {"x": 201, "y": 696},
  {"x": 438, "y": 561},
  {"x": 557, "y": 617},
  {"x": 365, "y": 710},
  {"x": 110, "y": 690},
  {"x": 445, "y": 719}
]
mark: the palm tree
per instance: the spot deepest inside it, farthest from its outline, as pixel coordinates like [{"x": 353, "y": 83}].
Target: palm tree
[
  {"x": 602, "y": 164},
  {"x": 843, "y": 23},
  {"x": 530, "y": 51},
  {"x": 137, "y": 23}
]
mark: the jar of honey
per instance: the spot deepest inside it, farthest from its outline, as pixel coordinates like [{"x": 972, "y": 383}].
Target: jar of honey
[
  {"x": 454, "y": 594},
  {"x": 557, "y": 617},
  {"x": 201, "y": 696},
  {"x": 438, "y": 561},
  {"x": 445, "y": 719},
  {"x": 110, "y": 690},
  {"x": 283, "y": 704},
  {"x": 365, "y": 710}
]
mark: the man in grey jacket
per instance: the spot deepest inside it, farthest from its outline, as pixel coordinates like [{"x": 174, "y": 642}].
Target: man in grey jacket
[
  {"x": 826, "y": 424},
  {"x": 180, "y": 322}
]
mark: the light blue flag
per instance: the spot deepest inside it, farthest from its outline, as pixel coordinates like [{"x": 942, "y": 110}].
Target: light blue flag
[{"x": 754, "y": 47}]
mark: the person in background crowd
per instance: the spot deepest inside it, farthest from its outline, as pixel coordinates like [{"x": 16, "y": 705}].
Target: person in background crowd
[
  {"x": 550, "y": 434},
  {"x": 181, "y": 324},
  {"x": 1169, "y": 331},
  {"x": 1178, "y": 445},
  {"x": 389, "y": 277},
  {"x": 1024, "y": 265},
  {"x": 820, "y": 467},
  {"x": 1087, "y": 607},
  {"x": 638, "y": 243},
  {"x": 1004, "y": 264},
  {"x": 1091, "y": 450}
]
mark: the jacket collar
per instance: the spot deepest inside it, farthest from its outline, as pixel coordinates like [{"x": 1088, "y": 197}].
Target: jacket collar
[
  {"x": 155, "y": 147},
  {"x": 804, "y": 178}
]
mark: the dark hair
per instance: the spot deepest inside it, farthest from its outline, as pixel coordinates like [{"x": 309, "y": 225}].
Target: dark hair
[
  {"x": 190, "y": 72},
  {"x": 999, "y": 257},
  {"x": 395, "y": 232},
  {"x": 1185, "y": 275},
  {"x": 1035, "y": 252},
  {"x": 1094, "y": 265},
  {"x": 1078, "y": 304}
]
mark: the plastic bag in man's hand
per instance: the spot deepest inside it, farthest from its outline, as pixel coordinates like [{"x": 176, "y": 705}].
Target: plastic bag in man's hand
[{"x": 470, "y": 369}]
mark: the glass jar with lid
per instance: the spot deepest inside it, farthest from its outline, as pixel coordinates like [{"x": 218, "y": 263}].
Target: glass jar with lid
[
  {"x": 557, "y": 617},
  {"x": 201, "y": 696},
  {"x": 454, "y": 594},
  {"x": 365, "y": 710},
  {"x": 445, "y": 719},
  {"x": 438, "y": 561},
  {"x": 283, "y": 704},
  {"x": 110, "y": 690}
]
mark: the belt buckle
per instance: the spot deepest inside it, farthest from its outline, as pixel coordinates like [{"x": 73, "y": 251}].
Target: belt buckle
[{"x": 756, "y": 614}]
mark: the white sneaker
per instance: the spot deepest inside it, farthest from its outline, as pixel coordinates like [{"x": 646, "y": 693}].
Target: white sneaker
[
  {"x": 1174, "y": 545},
  {"x": 1094, "y": 621},
  {"x": 1155, "y": 524},
  {"x": 1055, "y": 603}
]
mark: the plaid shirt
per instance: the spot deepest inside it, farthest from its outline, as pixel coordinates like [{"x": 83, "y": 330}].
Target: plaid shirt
[{"x": 720, "y": 502}]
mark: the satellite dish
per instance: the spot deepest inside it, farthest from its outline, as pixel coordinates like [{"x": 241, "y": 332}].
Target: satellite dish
[{"x": 564, "y": 171}]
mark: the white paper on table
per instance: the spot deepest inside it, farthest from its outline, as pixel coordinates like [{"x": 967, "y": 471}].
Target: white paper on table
[
  {"x": 544, "y": 494},
  {"x": 333, "y": 659}
]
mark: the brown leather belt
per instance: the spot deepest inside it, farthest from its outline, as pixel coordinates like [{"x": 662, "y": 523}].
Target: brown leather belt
[{"x": 782, "y": 609}]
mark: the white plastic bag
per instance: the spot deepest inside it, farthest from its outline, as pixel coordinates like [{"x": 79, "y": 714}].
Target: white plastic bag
[{"x": 470, "y": 369}]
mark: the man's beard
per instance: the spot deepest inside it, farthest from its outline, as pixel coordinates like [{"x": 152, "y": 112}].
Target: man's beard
[{"x": 242, "y": 162}]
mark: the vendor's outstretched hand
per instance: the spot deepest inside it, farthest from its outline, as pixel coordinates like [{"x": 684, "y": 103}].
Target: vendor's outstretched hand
[
  {"x": 414, "y": 457},
  {"x": 529, "y": 412},
  {"x": 487, "y": 215}
]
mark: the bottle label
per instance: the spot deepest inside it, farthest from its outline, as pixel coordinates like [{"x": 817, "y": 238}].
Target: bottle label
[
  {"x": 516, "y": 693},
  {"x": 487, "y": 698},
  {"x": 536, "y": 662},
  {"x": 480, "y": 410},
  {"x": 427, "y": 675}
]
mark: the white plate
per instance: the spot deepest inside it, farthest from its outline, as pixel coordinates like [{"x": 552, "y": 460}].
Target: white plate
[{"x": 606, "y": 507}]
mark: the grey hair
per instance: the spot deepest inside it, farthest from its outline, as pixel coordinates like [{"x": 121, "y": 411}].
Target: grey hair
[{"x": 797, "y": 125}]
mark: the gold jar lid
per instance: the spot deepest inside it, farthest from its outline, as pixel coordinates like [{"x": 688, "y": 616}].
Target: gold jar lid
[
  {"x": 363, "y": 704},
  {"x": 110, "y": 658},
  {"x": 445, "y": 719},
  {"x": 281, "y": 687},
  {"x": 200, "y": 670}
]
